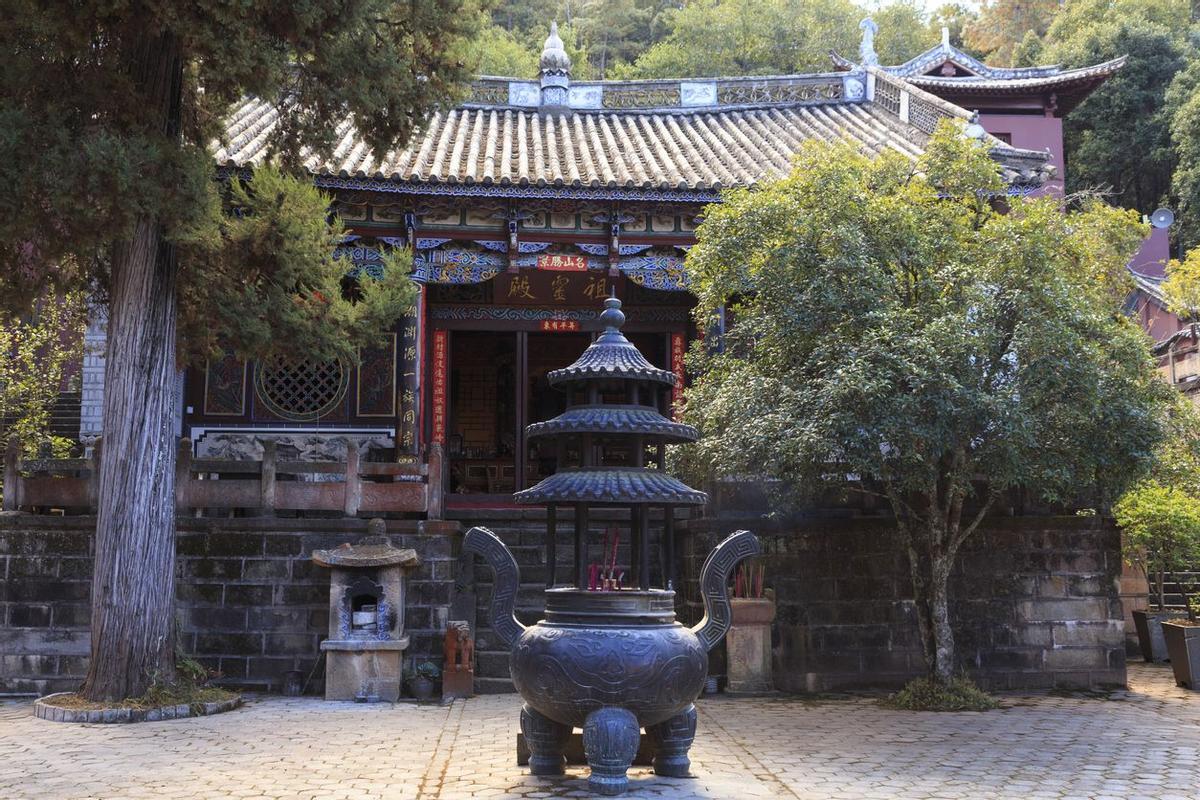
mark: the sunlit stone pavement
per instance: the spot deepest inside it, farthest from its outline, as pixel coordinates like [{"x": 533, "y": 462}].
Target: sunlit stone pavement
[{"x": 1142, "y": 743}]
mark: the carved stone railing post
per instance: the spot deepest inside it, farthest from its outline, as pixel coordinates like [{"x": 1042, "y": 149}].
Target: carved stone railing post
[
  {"x": 353, "y": 496},
  {"x": 12, "y": 475},
  {"x": 183, "y": 474},
  {"x": 267, "y": 478},
  {"x": 435, "y": 482}
]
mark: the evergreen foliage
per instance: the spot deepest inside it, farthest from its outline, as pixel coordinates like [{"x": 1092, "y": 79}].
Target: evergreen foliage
[
  {"x": 1119, "y": 139},
  {"x": 107, "y": 113},
  {"x": 895, "y": 333}
]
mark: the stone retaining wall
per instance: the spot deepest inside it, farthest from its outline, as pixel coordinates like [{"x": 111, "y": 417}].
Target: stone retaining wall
[
  {"x": 251, "y": 602},
  {"x": 1036, "y": 602}
]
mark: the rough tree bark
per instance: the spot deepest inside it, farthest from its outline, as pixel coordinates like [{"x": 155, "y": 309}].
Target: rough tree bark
[{"x": 133, "y": 586}]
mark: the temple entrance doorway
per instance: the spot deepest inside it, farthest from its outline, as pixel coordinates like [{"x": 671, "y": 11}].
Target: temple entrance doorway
[{"x": 496, "y": 385}]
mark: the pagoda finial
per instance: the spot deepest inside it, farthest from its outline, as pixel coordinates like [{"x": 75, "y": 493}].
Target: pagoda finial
[
  {"x": 612, "y": 316},
  {"x": 866, "y": 49}
]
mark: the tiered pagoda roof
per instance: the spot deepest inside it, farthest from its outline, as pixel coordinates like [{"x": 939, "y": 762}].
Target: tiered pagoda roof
[
  {"x": 657, "y": 139},
  {"x": 613, "y": 359}
]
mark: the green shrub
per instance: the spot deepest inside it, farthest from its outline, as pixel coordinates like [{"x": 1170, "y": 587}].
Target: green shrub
[{"x": 924, "y": 694}]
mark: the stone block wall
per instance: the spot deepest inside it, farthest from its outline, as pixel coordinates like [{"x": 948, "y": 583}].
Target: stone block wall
[
  {"x": 1036, "y": 602},
  {"x": 251, "y": 603}
]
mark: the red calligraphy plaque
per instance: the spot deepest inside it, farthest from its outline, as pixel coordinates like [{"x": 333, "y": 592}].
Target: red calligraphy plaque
[
  {"x": 556, "y": 262},
  {"x": 559, "y": 325},
  {"x": 440, "y": 349},
  {"x": 677, "y": 351}
]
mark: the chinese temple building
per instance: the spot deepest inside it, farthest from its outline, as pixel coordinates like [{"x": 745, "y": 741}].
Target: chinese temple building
[{"x": 532, "y": 201}]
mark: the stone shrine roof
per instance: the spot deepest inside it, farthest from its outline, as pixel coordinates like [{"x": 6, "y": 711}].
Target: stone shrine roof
[
  {"x": 654, "y": 139},
  {"x": 372, "y": 551}
]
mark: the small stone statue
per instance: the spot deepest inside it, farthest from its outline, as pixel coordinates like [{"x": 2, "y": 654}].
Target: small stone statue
[
  {"x": 866, "y": 50},
  {"x": 458, "y": 650}
]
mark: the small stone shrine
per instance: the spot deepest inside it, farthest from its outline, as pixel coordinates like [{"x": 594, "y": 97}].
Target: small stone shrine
[{"x": 365, "y": 649}]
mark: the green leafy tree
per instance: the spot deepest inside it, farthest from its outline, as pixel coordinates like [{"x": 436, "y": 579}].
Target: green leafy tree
[
  {"x": 1003, "y": 24},
  {"x": 903, "y": 32},
  {"x": 107, "y": 111},
  {"x": 1183, "y": 111},
  {"x": 38, "y": 349},
  {"x": 503, "y": 53},
  {"x": 1182, "y": 286},
  {"x": 897, "y": 334},
  {"x": 1160, "y": 515},
  {"x": 1118, "y": 140},
  {"x": 1161, "y": 528},
  {"x": 955, "y": 17},
  {"x": 751, "y": 37}
]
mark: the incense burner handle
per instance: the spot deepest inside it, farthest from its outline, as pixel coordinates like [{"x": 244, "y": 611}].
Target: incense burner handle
[
  {"x": 714, "y": 585},
  {"x": 488, "y": 546}
]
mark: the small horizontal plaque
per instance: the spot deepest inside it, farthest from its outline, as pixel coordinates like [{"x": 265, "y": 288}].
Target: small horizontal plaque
[
  {"x": 560, "y": 325},
  {"x": 558, "y": 262}
]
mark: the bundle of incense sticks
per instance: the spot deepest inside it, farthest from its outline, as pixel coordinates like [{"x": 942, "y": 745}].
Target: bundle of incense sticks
[{"x": 748, "y": 581}]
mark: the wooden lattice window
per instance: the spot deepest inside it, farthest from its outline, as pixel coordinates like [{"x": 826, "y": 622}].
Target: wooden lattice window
[{"x": 301, "y": 389}]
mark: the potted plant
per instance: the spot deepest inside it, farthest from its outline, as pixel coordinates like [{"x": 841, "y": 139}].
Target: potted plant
[
  {"x": 1161, "y": 527},
  {"x": 1183, "y": 644},
  {"x": 748, "y": 643},
  {"x": 422, "y": 679}
]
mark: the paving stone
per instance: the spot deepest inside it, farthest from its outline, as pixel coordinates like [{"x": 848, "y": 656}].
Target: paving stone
[{"x": 1143, "y": 742}]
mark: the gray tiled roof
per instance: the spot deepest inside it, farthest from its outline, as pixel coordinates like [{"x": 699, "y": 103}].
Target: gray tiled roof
[
  {"x": 612, "y": 485},
  {"x": 614, "y": 419},
  {"x": 693, "y": 136},
  {"x": 647, "y": 150}
]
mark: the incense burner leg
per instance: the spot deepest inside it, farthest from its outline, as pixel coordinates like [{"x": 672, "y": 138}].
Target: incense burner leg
[
  {"x": 547, "y": 740},
  {"x": 610, "y": 740},
  {"x": 672, "y": 740}
]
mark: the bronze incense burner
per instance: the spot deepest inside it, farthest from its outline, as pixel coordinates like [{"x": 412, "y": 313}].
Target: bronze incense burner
[{"x": 611, "y": 662}]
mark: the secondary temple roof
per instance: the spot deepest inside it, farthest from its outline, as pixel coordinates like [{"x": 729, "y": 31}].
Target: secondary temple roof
[
  {"x": 647, "y": 139},
  {"x": 945, "y": 69}
]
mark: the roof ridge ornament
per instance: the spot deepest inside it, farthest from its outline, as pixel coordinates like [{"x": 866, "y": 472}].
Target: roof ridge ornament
[
  {"x": 866, "y": 49},
  {"x": 555, "y": 73}
]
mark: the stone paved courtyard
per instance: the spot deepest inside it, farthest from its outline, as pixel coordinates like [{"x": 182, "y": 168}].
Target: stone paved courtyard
[{"x": 1142, "y": 743}]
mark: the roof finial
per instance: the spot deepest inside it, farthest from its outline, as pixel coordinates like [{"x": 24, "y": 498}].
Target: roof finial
[
  {"x": 554, "y": 60},
  {"x": 866, "y": 49},
  {"x": 555, "y": 74},
  {"x": 945, "y": 38}
]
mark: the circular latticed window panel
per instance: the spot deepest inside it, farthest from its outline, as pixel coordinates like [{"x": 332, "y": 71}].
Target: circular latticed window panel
[{"x": 301, "y": 389}]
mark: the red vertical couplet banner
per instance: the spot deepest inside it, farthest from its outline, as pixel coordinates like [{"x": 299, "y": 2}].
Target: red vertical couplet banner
[
  {"x": 677, "y": 349},
  {"x": 441, "y": 344}
]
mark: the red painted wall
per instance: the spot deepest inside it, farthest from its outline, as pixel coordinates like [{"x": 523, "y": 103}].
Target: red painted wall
[
  {"x": 1031, "y": 132},
  {"x": 1151, "y": 258}
]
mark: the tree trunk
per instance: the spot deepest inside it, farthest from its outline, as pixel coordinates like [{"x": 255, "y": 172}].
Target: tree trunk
[
  {"x": 133, "y": 585},
  {"x": 939, "y": 608}
]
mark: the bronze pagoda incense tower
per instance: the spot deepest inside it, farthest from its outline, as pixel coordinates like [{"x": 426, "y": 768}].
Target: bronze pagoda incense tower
[{"x": 609, "y": 659}]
